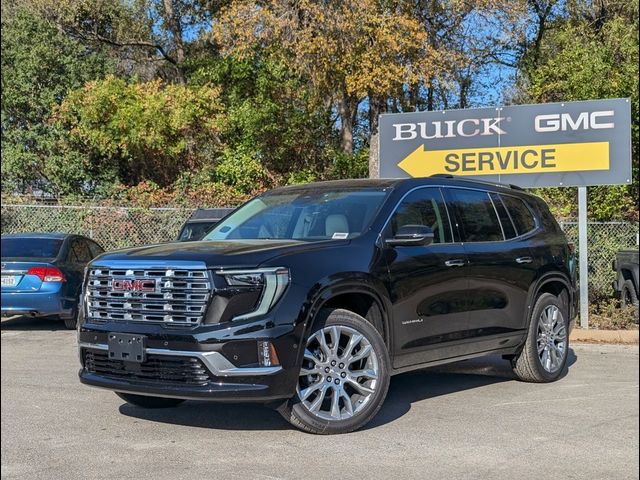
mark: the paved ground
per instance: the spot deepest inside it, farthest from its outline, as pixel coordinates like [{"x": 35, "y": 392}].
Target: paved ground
[{"x": 470, "y": 420}]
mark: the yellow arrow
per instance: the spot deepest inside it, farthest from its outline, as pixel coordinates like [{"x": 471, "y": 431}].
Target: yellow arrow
[{"x": 566, "y": 157}]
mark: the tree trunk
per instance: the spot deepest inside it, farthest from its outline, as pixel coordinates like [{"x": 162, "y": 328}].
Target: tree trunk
[
  {"x": 377, "y": 105},
  {"x": 430, "y": 97},
  {"x": 347, "y": 110},
  {"x": 175, "y": 29}
]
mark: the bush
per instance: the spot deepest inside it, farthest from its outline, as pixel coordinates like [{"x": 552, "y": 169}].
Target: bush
[{"x": 610, "y": 315}]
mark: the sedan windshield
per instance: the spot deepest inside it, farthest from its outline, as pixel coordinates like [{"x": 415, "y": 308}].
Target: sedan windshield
[
  {"x": 308, "y": 214},
  {"x": 30, "y": 247}
]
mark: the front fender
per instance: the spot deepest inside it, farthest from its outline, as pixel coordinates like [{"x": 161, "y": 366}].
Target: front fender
[{"x": 348, "y": 282}]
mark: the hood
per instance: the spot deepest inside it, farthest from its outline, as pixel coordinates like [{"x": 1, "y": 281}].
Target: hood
[{"x": 221, "y": 253}]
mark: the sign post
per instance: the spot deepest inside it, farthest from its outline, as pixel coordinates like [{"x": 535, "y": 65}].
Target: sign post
[{"x": 546, "y": 145}]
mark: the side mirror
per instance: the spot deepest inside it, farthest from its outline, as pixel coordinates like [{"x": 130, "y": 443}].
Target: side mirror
[{"x": 411, "y": 235}]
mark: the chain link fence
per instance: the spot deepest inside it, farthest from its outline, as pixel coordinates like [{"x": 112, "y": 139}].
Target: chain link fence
[
  {"x": 111, "y": 227},
  {"x": 605, "y": 239},
  {"x": 119, "y": 227}
]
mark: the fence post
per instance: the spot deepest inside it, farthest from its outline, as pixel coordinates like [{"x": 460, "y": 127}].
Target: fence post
[{"x": 584, "y": 257}]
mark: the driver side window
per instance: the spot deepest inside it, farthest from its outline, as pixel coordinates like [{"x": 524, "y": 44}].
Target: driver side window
[{"x": 424, "y": 206}]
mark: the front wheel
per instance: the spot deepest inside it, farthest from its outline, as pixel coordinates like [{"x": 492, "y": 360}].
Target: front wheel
[
  {"x": 149, "y": 402},
  {"x": 544, "y": 355},
  {"x": 344, "y": 376}
]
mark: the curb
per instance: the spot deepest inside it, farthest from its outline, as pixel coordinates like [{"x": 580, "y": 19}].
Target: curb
[{"x": 624, "y": 337}]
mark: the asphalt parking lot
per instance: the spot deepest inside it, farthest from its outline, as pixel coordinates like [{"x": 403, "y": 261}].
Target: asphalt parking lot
[{"x": 468, "y": 420}]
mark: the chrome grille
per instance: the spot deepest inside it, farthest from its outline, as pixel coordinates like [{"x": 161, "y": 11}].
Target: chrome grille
[{"x": 180, "y": 296}]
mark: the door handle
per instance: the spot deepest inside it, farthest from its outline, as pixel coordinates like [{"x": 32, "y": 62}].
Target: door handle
[
  {"x": 522, "y": 260},
  {"x": 454, "y": 263}
]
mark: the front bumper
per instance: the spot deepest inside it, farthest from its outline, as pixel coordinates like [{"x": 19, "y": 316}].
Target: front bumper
[{"x": 224, "y": 360}]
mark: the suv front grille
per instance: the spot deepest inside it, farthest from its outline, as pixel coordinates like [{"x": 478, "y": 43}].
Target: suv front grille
[
  {"x": 157, "y": 368},
  {"x": 179, "y": 296}
]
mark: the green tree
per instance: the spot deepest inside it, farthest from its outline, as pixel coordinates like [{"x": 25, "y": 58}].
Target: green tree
[
  {"x": 40, "y": 66},
  {"x": 591, "y": 53},
  {"x": 147, "y": 131},
  {"x": 269, "y": 129}
]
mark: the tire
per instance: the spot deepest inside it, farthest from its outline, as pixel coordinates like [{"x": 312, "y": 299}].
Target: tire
[
  {"x": 359, "y": 397},
  {"x": 628, "y": 295},
  {"x": 71, "y": 322},
  {"x": 552, "y": 334},
  {"x": 149, "y": 402}
]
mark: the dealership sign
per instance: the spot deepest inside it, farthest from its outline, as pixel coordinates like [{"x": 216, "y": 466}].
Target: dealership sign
[{"x": 554, "y": 144}]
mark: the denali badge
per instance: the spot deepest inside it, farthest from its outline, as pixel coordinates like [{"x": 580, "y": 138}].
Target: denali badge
[{"x": 133, "y": 285}]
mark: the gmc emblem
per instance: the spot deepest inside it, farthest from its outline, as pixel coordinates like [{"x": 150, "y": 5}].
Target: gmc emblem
[{"x": 127, "y": 285}]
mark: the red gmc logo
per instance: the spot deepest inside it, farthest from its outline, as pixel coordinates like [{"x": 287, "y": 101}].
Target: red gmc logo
[{"x": 126, "y": 285}]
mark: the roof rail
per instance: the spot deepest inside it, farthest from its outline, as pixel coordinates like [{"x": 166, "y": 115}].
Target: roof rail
[
  {"x": 441, "y": 175},
  {"x": 483, "y": 182}
]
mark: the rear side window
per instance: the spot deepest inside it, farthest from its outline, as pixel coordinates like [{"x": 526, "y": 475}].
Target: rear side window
[
  {"x": 505, "y": 220},
  {"x": 477, "y": 216},
  {"x": 424, "y": 206},
  {"x": 95, "y": 249},
  {"x": 80, "y": 252},
  {"x": 520, "y": 213}
]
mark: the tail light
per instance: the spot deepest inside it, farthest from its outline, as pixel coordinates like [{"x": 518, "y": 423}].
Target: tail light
[{"x": 47, "y": 274}]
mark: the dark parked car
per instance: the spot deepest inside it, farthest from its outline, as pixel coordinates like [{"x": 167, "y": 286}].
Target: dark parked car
[
  {"x": 42, "y": 274},
  {"x": 201, "y": 222},
  {"x": 308, "y": 298},
  {"x": 626, "y": 283}
]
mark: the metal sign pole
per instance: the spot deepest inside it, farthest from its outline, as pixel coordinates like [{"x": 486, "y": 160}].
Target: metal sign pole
[{"x": 584, "y": 265}]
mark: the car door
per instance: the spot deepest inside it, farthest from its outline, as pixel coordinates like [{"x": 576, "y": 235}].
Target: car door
[
  {"x": 500, "y": 268},
  {"x": 426, "y": 284}
]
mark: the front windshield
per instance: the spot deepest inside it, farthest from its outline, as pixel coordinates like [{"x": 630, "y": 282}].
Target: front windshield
[{"x": 303, "y": 214}]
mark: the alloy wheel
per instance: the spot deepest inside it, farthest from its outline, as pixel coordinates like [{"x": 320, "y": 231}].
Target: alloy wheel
[
  {"x": 552, "y": 339},
  {"x": 339, "y": 374}
]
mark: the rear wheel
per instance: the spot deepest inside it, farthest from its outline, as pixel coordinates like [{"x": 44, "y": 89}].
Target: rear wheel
[
  {"x": 72, "y": 321},
  {"x": 344, "y": 376},
  {"x": 149, "y": 402},
  {"x": 544, "y": 355}
]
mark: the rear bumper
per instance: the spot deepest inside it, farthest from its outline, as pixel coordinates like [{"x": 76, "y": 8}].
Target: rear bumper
[{"x": 35, "y": 303}]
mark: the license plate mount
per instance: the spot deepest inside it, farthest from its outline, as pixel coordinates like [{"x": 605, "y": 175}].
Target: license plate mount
[
  {"x": 9, "y": 280},
  {"x": 127, "y": 347}
]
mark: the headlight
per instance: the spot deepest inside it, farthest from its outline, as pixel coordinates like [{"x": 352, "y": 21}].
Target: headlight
[{"x": 273, "y": 281}]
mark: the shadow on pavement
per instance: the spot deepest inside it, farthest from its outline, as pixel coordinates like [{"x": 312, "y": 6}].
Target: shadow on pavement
[
  {"x": 405, "y": 389},
  {"x": 32, "y": 323}
]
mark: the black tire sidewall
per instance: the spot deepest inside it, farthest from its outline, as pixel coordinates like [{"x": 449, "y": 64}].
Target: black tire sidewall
[
  {"x": 351, "y": 320},
  {"x": 545, "y": 300}
]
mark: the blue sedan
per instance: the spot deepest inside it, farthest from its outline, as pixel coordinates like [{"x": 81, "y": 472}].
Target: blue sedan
[{"x": 42, "y": 274}]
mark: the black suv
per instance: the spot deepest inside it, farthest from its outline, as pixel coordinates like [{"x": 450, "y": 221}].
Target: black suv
[{"x": 308, "y": 298}]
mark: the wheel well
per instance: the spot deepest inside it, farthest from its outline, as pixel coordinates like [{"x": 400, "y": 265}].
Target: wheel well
[
  {"x": 627, "y": 275},
  {"x": 556, "y": 288},
  {"x": 364, "y": 305}
]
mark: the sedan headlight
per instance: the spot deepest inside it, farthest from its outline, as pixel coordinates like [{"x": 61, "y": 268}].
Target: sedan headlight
[{"x": 273, "y": 281}]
